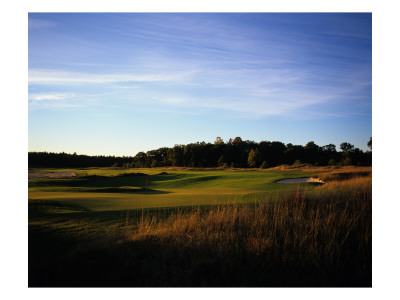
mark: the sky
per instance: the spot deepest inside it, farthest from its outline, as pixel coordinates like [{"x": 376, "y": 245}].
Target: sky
[{"x": 117, "y": 84}]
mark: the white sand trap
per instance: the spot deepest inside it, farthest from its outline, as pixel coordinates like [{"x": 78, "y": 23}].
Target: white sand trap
[
  {"x": 298, "y": 180},
  {"x": 42, "y": 174}
]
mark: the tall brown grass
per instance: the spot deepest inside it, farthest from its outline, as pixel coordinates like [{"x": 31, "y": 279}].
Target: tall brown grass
[{"x": 330, "y": 227}]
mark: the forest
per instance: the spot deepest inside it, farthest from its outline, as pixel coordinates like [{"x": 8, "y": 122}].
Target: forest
[{"x": 235, "y": 153}]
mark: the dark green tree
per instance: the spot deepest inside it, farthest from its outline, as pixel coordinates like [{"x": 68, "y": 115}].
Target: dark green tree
[
  {"x": 254, "y": 158},
  {"x": 329, "y": 148},
  {"x": 178, "y": 156},
  {"x": 346, "y": 147},
  {"x": 237, "y": 140},
  {"x": 219, "y": 141},
  {"x": 221, "y": 161},
  {"x": 141, "y": 160}
]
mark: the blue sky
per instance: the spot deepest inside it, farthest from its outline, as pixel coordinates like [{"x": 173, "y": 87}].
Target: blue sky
[{"x": 117, "y": 84}]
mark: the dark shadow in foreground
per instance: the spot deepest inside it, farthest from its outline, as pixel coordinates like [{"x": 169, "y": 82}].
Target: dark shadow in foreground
[{"x": 55, "y": 261}]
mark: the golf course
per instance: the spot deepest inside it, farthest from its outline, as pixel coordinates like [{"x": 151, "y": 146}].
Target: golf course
[
  {"x": 199, "y": 227},
  {"x": 114, "y": 189}
]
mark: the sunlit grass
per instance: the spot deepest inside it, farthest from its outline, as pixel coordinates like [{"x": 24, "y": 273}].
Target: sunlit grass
[
  {"x": 110, "y": 191},
  {"x": 312, "y": 225}
]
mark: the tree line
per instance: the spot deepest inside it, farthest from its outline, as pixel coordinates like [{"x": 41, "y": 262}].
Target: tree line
[
  {"x": 65, "y": 160},
  {"x": 235, "y": 153}
]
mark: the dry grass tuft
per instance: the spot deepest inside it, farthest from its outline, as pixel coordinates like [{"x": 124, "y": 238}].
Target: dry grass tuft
[{"x": 329, "y": 226}]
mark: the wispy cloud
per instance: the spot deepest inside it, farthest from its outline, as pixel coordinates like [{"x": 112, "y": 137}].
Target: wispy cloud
[
  {"x": 59, "y": 77},
  {"x": 250, "y": 65},
  {"x": 50, "y": 97},
  {"x": 258, "y": 105},
  {"x": 37, "y": 23},
  {"x": 248, "y": 92}
]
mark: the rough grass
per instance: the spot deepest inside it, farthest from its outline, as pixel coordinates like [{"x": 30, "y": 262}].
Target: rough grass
[{"x": 328, "y": 233}]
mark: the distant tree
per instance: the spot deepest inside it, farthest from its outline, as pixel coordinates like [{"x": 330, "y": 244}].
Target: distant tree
[
  {"x": 221, "y": 161},
  {"x": 237, "y": 140},
  {"x": 177, "y": 155},
  {"x": 276, "y": 153},
  {"x": 346, "y": 147},
  {"x": 329, "y": 148},
  {"x": 331, "y": 162},
  {"x": 254, "y": 158},
  {"x": 155, "y": 157},
  {"x": 155, "y": 163},
  {"x": 368, "y": 154},
  {"x": 141, "y": 159},
  {"x": 311, "y": 152},
  {"x": 193, "y": 154},
  {"x": 293, "y": 153},
  {"x": 219, "y": 141},
  {"x": 297, "y": 163},
  {"x": 237, "y": 152},
  {"x": 311, "y": 146},
  {"x": 164, "y": 156},
  {"x": 347, "y": 161}
]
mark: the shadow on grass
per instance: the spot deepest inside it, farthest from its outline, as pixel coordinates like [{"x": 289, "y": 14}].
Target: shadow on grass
[
  {"x": 41, "y": 208},
  {"x": 148, "y": 263},
  {"x": 90, "y": 249},
  {"x": 123, "y": 190},
  {"x": 60, "y": 257},
  {"x": 131, "y": 179}
]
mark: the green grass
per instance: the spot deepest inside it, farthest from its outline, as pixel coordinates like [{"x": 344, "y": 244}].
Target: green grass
[
  {"x": 109, "y": 189},
  {"x": 198, "y": 228}
]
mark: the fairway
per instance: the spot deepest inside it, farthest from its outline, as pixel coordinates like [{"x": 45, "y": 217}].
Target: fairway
[{"x": 125, "y": 189}]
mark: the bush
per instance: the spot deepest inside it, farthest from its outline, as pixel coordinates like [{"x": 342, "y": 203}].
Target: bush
[
  {"x": 347, "y": 161},
  {"x": 154, "y": 163},
  {"x": 297, "y": 163},
  {"x": 331, "y": 162}
]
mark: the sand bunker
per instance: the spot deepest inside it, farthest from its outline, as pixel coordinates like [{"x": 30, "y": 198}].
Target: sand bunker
[
  {"x": 42, "y": 174},
  {"x": 298, "y": 180}
]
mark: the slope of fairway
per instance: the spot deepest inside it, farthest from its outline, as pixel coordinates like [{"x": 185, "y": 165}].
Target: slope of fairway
[{"x": 100, "y": 189}]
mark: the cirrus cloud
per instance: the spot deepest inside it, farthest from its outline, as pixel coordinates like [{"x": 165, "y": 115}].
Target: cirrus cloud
[
  {"x": 50, "y": 96},
  {"x": 60, "y": 77}
]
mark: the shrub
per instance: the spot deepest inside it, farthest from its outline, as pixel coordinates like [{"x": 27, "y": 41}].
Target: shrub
[
  {"x": 347, "y": 161},
  {"x": 331, "y": 162},
  {"x": 297, "y": 163}
]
